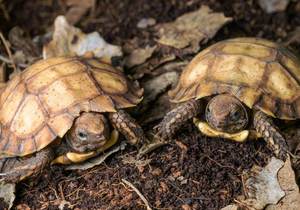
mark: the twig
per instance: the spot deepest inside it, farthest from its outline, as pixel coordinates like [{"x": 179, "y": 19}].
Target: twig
[
  {"x": 7, "y": 60},
  {"x": 216, "y": 162},
  {"x": 9, "y": 52},
  {"x": 138, "y": 192},
  {"x": 61, "y": 190},
  {"x": 246, "y": 206}
]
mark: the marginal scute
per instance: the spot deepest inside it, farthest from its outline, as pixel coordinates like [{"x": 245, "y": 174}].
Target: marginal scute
[
  {"x": 13, "y": 143},
  {"x": 207, "y": 89},
  {"x": 78, "y": 108},
  {"x": 102, "y": 103},
  {"x": 266, "y": 104},
  {"x": 44, "y": 137},
  {"x": 285, "y": 111},
  {"x": 4, "y": 138},
  {"x": 11, "y": 105},
  {"x": 248, "y": 95},
  {"x": 60, "y": 124},
  {"x": 297, "y": 108},
  {"x": 27, "y": 146},
  {"x": 121, "y": 101},
  {"x": 8, "y": 90},
  {"x": 224, "y": 88}
]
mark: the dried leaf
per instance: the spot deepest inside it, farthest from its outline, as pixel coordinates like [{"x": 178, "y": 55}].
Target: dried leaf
[
  {"x": 139, "y": 56},
  {"x": 67, "y": 39},
  {"x": 20, "y": 42},
  {"x": 262, "y": 185},
  {"x": 97, "y": 160},
  {"x": 150, "y": 145},
  {"x": 78, "y": 9},
  {"x": 132, "y": 160},
  {"x": 7, "y": 192},
  {"x": 271, "y": 6},
  {"x": 155, "y": 86},
  {"x": 189, "y": 29},
  {"x": 231, "y": 207},
  {"x": 287, "y": 181}
]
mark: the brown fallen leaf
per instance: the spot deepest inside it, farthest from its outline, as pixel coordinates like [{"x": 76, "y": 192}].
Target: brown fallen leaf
[
  {"x": 262, "y": 185},
  {"x": 189, "y": 29},
  {"x": 22, "y": 43},
  {"x": 287, "y": 181},
  {"x": 7, "y": 192},
  {"x": 155, "y": 86},
  {"x": 97, "y": 160},
  {"x": 78, "y": 9},
  {"x": 139, "y": 56},
  {"x": 68, "y": 39}
]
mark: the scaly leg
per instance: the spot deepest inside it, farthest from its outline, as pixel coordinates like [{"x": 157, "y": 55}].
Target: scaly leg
[
  {"x": 125, "y": 124},
  {"x": 174, "y": 120},
  {"x": 264, "y": 124},
  {"x": 31, "y": 166}
]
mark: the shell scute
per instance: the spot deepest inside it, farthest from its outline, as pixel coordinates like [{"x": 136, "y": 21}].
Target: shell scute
[
  {"x": 23, "y": 126},
  {"x": 40, "y": 81},
  {"x": 256, "y": 51},
  {"x": 67, "y": 91}
]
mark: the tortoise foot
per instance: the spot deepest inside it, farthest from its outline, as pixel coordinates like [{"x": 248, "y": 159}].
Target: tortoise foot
[
  {"x": 271, "y": 133},
  {"x": 125, "y": 124},
  {"x": 30, "y": 166},
  {"x": 174, "y": 120}
]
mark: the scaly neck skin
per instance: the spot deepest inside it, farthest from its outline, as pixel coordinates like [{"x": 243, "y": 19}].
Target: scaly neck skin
[
  {"x": 64, "y": 147},
  {"x": 226, "y": 113}
]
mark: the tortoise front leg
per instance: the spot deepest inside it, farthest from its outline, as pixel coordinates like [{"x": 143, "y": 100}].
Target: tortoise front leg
[
  {"x": 31, "y": 166},
  {"x": 270, "y": 132},
  {"x": 125, "y": 124},
  {"x": 174, "y": 120}
]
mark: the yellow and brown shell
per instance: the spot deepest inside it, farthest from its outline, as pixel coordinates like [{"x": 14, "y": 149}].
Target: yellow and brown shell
[
  {"x": 42, "y": 102},
  {"x": 260, "y": 73}
]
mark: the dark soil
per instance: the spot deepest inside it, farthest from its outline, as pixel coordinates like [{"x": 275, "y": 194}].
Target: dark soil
[{"x": 191, "y": 172}]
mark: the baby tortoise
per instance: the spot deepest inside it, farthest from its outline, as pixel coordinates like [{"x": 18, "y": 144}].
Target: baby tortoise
[
  {"x": 241, "y": 84},
  {"x": 62, "y": 107}
]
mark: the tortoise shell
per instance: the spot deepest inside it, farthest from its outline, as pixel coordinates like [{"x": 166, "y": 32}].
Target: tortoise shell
[
  {"x": 42, "y": 102},
  {"x": 260, "y": 73}
]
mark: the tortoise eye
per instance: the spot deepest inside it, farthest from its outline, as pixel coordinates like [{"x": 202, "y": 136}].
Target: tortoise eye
[
  {"x": 235, "y": 115},
  {"x": 82, "y": 135}
]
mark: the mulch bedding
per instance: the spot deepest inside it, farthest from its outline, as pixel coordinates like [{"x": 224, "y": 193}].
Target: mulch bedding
[{"x": 191, "y": 172}]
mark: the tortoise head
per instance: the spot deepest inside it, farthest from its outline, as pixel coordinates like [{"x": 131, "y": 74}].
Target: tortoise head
[
  {"x": 226, "y": 113},
  {"x": 89, "y": 132}
]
